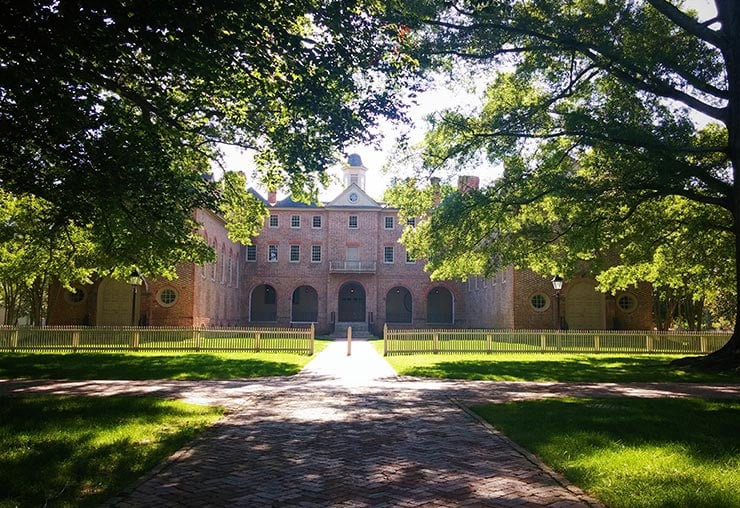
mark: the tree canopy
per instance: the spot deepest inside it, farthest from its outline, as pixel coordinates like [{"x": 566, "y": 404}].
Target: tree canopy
[
  {"x": 603, "y": 114},
  {"x": 111, "y": 112}
]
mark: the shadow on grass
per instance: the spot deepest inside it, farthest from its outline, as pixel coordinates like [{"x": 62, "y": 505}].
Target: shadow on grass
[
  {"x": 77, "y": 451},
  {"x": 566, "y": 368},
  {"x": 633, "y": 452},
  {"x": 82, "y": 366}
]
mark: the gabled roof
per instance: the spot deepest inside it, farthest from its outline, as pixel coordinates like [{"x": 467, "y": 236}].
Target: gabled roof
[
  {"x": 289, "y": 203},
  {"x": 256, "y": 194},
  {"x": 353, "y": 197}
]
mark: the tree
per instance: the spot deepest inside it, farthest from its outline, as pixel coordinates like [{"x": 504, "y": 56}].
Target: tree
[
  {"x": 597, "y": 119},
  {"x": 111, "y": 112},
  {"x": 32, "y": 254}
]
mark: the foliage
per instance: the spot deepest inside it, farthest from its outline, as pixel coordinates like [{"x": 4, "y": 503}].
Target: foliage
[
  {"x": 33, "y": 252},
  {"x": 632, "y": 452},
  {"x": 596, "y": 120},
  {"x": 243, "y": 211},
  {"x": 78, "y": 451},
  {"x": 112, "y": 113}
]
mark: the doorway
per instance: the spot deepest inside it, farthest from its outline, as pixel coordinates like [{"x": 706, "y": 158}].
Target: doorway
[{"x": 352, "y": 303}]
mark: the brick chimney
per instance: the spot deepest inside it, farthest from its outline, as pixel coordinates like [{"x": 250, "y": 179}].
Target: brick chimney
[
  {"x": 272, "y": 197},
  {"x": 467, "y": 183},
  {"x": 434, "y": 182}
]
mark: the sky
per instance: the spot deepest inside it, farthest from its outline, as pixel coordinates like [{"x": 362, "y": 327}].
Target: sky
[{"x": 374, "y": 158}]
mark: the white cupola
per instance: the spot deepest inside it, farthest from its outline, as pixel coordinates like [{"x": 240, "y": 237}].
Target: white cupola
[{"x": 354, "y": 172}]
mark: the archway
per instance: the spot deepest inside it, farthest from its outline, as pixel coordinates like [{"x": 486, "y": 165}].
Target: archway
[
  {"x": 305, "y": 305},
  {"x": 584, "y": 306},
  {"x": 114, "y": 304},
  {"x": 351, "y": 303},
  {"x": 440, "y": 306},
  {"x": 398, "y": 304},
  {"x": 263, "y": 304}
]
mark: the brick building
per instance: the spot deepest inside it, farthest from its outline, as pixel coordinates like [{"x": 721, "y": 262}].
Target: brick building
[{"x": 338, "y": 264}]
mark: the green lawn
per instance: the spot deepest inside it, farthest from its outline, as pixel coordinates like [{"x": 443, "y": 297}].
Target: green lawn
[
  {"x": 584, "y": 368},
  {"x": 633, "y": 452},
  {"x": 78, "y": 451},
  {"x": 152, "y": 365}
]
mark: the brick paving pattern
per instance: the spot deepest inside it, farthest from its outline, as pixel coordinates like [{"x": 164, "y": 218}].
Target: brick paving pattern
[{"x": 348, "y": 432}]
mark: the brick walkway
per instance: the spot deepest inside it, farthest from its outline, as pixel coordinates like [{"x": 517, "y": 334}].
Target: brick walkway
[{"x": 347, "y": 432}]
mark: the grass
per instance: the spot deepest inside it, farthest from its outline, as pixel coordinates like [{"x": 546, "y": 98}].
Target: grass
[
  {"x": 149, "y": 365},
  {"x": 78, "y": 451},
  {"x": 633, "y": 452},
  {"x": 583, "y": 368}
]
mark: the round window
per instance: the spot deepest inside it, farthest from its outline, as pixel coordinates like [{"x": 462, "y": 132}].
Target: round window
[
  {"x": 167, "y": 297},
  {"x": 627, "y": 302},
  {"x": 77, "y": 295},
  {"x": 539, "y": 302}
]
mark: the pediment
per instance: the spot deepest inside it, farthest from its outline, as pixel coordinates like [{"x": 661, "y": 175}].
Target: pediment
[{"x": 354, "y": 196}]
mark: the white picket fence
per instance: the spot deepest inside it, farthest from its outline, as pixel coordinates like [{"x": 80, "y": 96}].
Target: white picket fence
[
  {"x": 102, "y": 339},
  {"x": 446, "y": 341}
]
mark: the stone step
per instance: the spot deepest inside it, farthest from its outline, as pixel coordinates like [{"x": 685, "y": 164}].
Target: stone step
[{"x": 359, "y": 330}]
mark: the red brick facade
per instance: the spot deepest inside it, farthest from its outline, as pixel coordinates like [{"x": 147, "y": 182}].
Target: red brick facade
[{"x": 341, "y": 262}]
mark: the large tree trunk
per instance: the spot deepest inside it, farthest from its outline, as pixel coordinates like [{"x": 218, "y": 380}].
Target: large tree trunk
[{"x": 728, "y": 357}]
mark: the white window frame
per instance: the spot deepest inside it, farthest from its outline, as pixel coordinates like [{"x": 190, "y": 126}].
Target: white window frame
[
  {"x": 386, "y": 251},
  {"x": 276, "y": 220},
  {"x": 409, "y": 259},
  {"x": 386, "y": 220},
  {"x": 272, "y": 253},
  {"x": 356, "y": 222},
  {"x": 294, "y": 249},
  {"x": 251, "y": 249},
  {"x": 314, "y": 250},
  {"x": 314, "y": 220},
  {"x": 295, "y": 221}
]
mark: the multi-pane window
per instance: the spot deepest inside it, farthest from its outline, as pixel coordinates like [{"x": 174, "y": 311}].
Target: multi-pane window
[
  {"x": 274, "y": 221},
  {"x": 295, "y": 253},
  {"x": 389, "y": 223},
  {"x": 411, "y": 222},
  {"x": 316, "y": 222},
  {"x": 295, "y": 221},
  {"x": 353, "y": 221},
  {"x": 409, "y": 258},
  {"x": 251, "y": 253},
  {"x": 272, "y": 253},
  {"x": 316, "y": 253},
  {"x": 388, "y": 255}
]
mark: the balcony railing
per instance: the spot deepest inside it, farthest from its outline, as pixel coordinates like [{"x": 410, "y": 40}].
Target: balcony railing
[{"x": 352, "y": 266}]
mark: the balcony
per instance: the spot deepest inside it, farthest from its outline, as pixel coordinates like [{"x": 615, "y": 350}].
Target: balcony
[{"x": 352, "y": 267}]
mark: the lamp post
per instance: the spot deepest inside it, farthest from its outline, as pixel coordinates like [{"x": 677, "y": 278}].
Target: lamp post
[
  {"x": 557, "y": 284},
  {"x": 135, "y": 280}
]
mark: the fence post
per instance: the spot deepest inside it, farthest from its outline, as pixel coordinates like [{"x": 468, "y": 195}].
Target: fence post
[
  {"x": 649, "y": 343},
  {"x": 257, "y": 337},
  {"x": 703, "y": 340},
  {"x": 489, "y": 343},
  {"x": 311, "y": 345},
  {"x": 559, "y": 341},
  {"x": 435, "y": 343},
  {"x": 349, "y": 341},
  {"x": 75, "y": 340},
  {"x": 196, "y": 339},
  {"x": 385, "y": 339},
  {"x": 14, "y": 340},
  {"x": 543, "y": 343},
  {"x": 597, "y": 343},
  {"x": 134, "y": 344}
]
